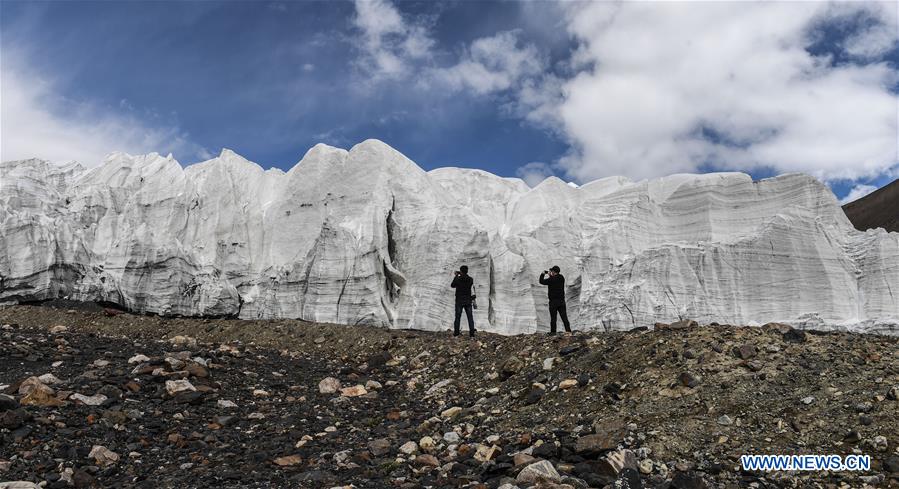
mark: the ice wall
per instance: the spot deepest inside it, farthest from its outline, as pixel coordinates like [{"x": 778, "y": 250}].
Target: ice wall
[{"x": 365, "y": 236}]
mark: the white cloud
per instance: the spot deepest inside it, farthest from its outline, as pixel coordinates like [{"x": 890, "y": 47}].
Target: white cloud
[
  {"x": 857, "y": 192},
  {"x": 533, "y": 173},
  {"x": 678, "y": 87},
  {"x": 399, "y": 49},
  {"x": 38, "y": 122},
  {"x": 388, "y": 42},
  {"x": 879, "y": 36},
  {"x": 492, "y": 64}
]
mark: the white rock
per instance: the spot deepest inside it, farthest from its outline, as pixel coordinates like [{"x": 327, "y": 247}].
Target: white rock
[
  {"x": 94, "y": 400},
  {"x": 328, "y": 385},
  {"x": 31, "y": 384},
  {"x": 539, "y": 470},
  {"x": 180, "y": 340},
  {"x": 139, "y": 358},
  {"x": 225, "y": 404},
  {"x": 175, "y": 363},
  {"x": 342, "y": 456},
  {"x": 549, "y": 362},
  {"x": 427, "y": 444},
  {"x": 66, "y": 476},
  {"x": 175, "y": 386},
  {"x": 439, "y": 385},
  {"x": 353, "y": 391},
  {"x": 19, "y": 485},
  {"x": 451, "y": 437},
  {"x": 349, "y": 237},
  {"x": 103, "y": 456},
  {"x": 409, "y": 448},
  {"x": 49, "y": 379}
]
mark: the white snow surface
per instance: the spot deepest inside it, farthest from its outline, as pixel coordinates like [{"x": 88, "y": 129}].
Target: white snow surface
[{"x": 365, "y": 236}]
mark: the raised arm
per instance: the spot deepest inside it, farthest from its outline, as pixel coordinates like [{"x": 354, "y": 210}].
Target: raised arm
[
  {"x": 543, "y": 281},
  {"x": 455, "y": 282}
]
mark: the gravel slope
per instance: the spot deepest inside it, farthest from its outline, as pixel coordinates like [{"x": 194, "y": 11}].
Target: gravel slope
[{"x": 665, "y": 407}]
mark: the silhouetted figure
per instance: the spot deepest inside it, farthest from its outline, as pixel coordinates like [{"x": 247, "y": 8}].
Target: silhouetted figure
[
  {"x": 556, "y": 289},
  {"x": 463, "y": 284}
]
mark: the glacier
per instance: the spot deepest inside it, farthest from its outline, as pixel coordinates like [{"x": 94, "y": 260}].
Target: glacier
[{"x": 366, "y": 236}]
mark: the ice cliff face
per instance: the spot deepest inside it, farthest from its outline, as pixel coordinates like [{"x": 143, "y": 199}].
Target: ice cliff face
[{"x": 367, "y": 237}]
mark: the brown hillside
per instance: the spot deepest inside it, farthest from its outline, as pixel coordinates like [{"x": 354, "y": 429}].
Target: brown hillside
[{"x": 879, "y": 209}]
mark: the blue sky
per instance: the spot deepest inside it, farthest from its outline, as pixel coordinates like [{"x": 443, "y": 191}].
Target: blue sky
[{"x": 518, "y": 89}]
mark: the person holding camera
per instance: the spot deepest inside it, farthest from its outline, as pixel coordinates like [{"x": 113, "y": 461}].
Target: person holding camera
[
  {"x": 555, "y": 283},
  {"x": 463, "y": 285}
]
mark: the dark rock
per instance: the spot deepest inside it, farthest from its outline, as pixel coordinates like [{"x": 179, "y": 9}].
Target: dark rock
[
  {"x": 534, "y": 396},
  {"x": 188, "y": 397},
  {"x": 568, "y": 350},
  {"x": 13, "y": 418},
  {"x": 891, "y": 464},
  {"x": 689, "y": 379},
  {"x": 594, "y": 473},
  {"x": 852, "y": 437},
  {"x": 8, "y": 402},
  {"x": 225, "y": 420},
  {"x": 197, "y": 370},
  {"x": 379, "y": 447},
  {"x": 583, "y": 380},
  {"x": 378, "y": 360},
  {"x": 510, "y": 367},
  {"x": 683, "y": 324},
  {"x": 595, "y": 443},
  {"x": 546, "y": 450},
  {"x": 628, "y": 478},
  {"x": 745, "y": 352},
  {"x": 110, "y": 391},
  {"x": 794, "y": 336},
  {"x": 427, "y": 460},
  {"x": 754, "y": 365},
  {"x": 318, "y": 477},
  {"x": 82, "y": 479},
  {"x": 688, "y": 480}
]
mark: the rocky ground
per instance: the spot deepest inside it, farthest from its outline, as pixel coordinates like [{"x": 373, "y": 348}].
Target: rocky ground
[{"x": 98, "y": 398}]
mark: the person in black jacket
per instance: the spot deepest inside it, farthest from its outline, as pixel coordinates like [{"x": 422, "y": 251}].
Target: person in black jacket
[
  {"x": 556, "y": 288},
  {"x": 463, "y": 284}
]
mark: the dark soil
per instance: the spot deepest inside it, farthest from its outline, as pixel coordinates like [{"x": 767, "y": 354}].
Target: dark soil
[{"x": 767, "y": 390}]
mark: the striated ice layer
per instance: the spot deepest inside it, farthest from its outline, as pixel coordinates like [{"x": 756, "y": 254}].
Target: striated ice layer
[{"x": 367, "y": 237}]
